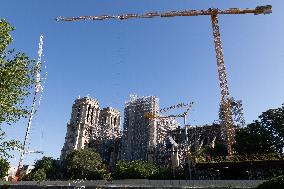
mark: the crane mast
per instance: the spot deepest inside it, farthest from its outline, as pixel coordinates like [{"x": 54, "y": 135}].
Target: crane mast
[
  {"x": 225, "y": 95},
  {"x": 38, "y": 88}
]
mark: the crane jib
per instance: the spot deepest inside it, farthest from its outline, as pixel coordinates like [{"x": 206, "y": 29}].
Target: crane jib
[{"x": 211, "y": 11}]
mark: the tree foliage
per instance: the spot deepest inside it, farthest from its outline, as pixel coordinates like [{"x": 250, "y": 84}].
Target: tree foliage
[
  {"x": 16, "y": 78},
  {"x": 50, "y": 166},
  {"x": 275, "y": 183},
  {"x": 46, "y": 168},
  {"x": 7, "y": 146},
  {"x": 273, "y": 121},
  {"x": 135, "y": 170},
  {"x": 218, "y": 150},
  {"x": 4, "y": 167},
  {"x": 254, "y": 139},
  {"x": 85, "y": 164},
  {"x": 263, "y": 136},
  {"x": 38, "y": 175}
]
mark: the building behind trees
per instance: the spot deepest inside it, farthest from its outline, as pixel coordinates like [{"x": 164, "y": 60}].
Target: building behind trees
[
  {"x": 161, "y": 141},
  {"x": 89, "y": 126}
]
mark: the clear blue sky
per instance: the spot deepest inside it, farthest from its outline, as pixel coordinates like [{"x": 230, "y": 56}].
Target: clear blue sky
[{"x": 172, "y": 58}]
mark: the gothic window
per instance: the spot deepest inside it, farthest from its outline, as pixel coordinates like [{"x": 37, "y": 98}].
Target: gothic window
[
  {"x": 92, "y": 115},
  {"x": 88, "y": 113},
  {"x": 114, "y": 121},
  {"x": 103, "y": 120},
  {"x": 78, "y": 114}
]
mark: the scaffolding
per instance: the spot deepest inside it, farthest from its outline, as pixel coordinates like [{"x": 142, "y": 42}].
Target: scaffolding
[{"x": 140, "y": 133}]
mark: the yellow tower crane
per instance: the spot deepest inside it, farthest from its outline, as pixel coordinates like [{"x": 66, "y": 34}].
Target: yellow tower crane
[{"x": 225, "y": 96}]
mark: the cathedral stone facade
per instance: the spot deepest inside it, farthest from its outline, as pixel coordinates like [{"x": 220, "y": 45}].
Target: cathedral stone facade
[
  {"x": 162, "y": 141},
  {"x": 90, "y": 124}
]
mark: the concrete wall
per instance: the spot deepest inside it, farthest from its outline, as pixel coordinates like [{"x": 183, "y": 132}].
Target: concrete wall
[{"x": 138, "y": 184}]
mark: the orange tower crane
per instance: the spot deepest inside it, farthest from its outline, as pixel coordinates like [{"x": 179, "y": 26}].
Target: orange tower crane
[{"x": 225, "y": 103}]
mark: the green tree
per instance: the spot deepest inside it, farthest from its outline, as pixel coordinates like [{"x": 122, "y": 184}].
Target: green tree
[
  {"x": 52, "y": 170},
  {"x": 38, "y": 175},
  {"x": 4, "y": 167},
  {"x": 263, "y": 136},
  {"x": 219, "y": 150},
  {"x": 273, "y": 121},
  {"x": 45, "y": 163},
  {"x": 135, "y": 170},
  {"x": 85, "y": 164},
  {"x": 254, "y": 139},
  {"x": 16, "y": 77},
  {"x": 7, "y": 146},
  {"x": 50, "y": 166}
]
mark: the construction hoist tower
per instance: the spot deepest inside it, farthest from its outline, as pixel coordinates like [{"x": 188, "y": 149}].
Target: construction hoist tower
[{"x": 225, "y": 95}]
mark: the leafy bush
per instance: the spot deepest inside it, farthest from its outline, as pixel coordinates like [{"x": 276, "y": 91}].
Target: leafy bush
[
  {"x": 4, "y": 167},
  {"x": 135, "y": 170},
  {"x": 245, "y": 157},
  {"x": 219, "y": 150},
  {"x": 50, "y": 167},
  {"x": 85, "y": 164},
  {"x": 38, "y": 175},
  {"x": 46, "y": 165},
  {"x": 256, "y": 157},
  {"x": 275, "y": 183}
]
